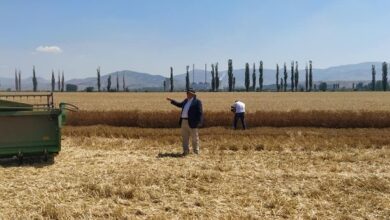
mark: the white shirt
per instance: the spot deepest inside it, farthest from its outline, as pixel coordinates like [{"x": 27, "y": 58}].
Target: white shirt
[
  {"x": 240, "y": 107},
  {"x": 184, "y": 114}
]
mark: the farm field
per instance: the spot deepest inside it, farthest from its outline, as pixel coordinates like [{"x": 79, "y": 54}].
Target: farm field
[
  {"x": 111, "y": 172},
  {"x": 255, "y": 101},
  {"x": 130, "y": 170}
]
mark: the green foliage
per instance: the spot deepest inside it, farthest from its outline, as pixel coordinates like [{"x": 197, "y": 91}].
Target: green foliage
[
  {"x": 373, "y": 72},
  {"x": 230, "y": 74},
  {"x": 292, "y": 76},
  {"x": 323, "y": 86},
  {"x": 285, "y": 77},
  {"x": 247, "y": 80},
  {"x": 16, "y": 81},
  {"x": 310, "y": 75},
  {"x": 34, "y": 80},
  {"x": 123, "y": 83},
  {"x": 117, "y": 82},
  {"x": 53, "y": 81},
  {"x": 216, "y": 77},
  {"x": 171, "y": 80},
  {"x": 277, "y": 77},
  {"x": 109, "y": 83},
  {"x": 63, "y": 82},
  {"x": 306, "y": 78},
  {"x": 59, "y": 81},
  {"x": 296, "y": 76},
  {"x": 98, "y": 78},
  {"x": 254, "y": 77},
  {"x": 71, "y": 88},
  {"x": 20, "y": 81},
  {"x": 212, "y": 78},
  {"x": 89, "y": 89},
  {"x": 261, "y": 79},
  {"x": 384, "y": 76}
]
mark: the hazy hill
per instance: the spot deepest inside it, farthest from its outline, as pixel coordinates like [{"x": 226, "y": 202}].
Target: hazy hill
[{"x": 135, "y": 80}]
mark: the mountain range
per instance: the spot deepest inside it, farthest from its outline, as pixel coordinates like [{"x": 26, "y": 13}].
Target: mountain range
[{"x": 345, "y": 75}]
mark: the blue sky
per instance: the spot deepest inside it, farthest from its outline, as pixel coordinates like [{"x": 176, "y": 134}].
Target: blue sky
[{"x": 77, "y": 36}]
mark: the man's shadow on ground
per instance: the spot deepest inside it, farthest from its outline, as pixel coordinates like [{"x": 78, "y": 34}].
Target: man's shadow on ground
[
  {"x": 37, "y": 162},
  {"x": 172, "y": 155}
]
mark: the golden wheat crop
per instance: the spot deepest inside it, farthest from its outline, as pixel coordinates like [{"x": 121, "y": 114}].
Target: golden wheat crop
[
  {"x": 169, "y": 119},
  {"x": 264, "y": 173},
  {"x": 255, "y": 101}
]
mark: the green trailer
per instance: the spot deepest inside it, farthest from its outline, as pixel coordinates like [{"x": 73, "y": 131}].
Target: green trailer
[{"x": 31, "y": 129}]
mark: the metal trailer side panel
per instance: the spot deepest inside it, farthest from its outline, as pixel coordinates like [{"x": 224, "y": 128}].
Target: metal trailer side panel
[{"x": 29, "y": 133}]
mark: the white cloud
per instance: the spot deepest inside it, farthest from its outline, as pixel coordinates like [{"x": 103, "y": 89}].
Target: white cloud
[{"x": 49, "y": 49}]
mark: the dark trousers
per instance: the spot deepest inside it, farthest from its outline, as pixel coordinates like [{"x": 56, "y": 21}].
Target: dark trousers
[{"x": 240, "y": 116}]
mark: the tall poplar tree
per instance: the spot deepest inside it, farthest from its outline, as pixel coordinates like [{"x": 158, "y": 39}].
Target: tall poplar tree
[
  {"x": 254, "y": 77},
  {"x": 59, "y": 81},
  {"x": 216, "y": 77},
  {"x": 117, "y": 82},
  {"x": 16, "y": 80},
  {"x": 34, "y": 80},
  {"x": 277, "y": 77},
  {"x": 247, "y": 80},
  {"x": 373, "y": 82},
  {"x": 98, "y": 78},
  {"x": 384, "y": 76},
  {"x": 171, "y": 80},
  {"x": 109, "y": 83},
  {"x": 63, "y": 82},
  {"x": 296, "y": 76},
  {"x": 285, "y": 78},
  {"x": 306, "y": 78},
  {"x": 261, "y": 79},
  {"x": 212, "y": 78},
  {"x": 292, "y": 76},
  {"x": 310, "y": 75},
  {"x": 20, "y": 81},
  {"x": 230, "y": 75},
  {"x": 53, "y": 81},
  {"x": 281, "y": 83},
  {"x": 124, "y": 82}
]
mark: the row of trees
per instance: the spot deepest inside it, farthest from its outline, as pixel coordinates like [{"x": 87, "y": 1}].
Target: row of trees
[
  {"x": 250, "y": 85},
  {"x": 109, "y": 83},
  {"x": 60, "y": 82},
  {"x": 384, "y": 80},
  {"x": 294, "y": 77},
  {"x": 280, "y": 85}
]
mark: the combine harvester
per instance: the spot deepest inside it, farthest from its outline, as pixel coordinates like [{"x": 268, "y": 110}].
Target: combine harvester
[{"x": 31, "y": 129}]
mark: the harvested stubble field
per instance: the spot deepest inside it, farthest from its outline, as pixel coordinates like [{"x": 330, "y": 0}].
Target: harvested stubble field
[
  {"x": 125, "y": 172},
  {"x": 112, "y": 172}
]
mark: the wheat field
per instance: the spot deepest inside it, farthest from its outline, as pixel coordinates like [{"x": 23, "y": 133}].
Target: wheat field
[
  {"x": 264, "y": 173},
  {"x": 255, "y": 101},
  {"x": 127, "y": 171}
]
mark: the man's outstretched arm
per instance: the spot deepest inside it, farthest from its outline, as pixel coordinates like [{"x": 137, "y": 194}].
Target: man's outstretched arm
[{"x": 175, "y": 103}]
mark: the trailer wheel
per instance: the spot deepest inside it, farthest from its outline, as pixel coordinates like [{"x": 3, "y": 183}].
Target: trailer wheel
[
  {"x": 45, "y": 156},
  {"x": 20, "y": 158}
]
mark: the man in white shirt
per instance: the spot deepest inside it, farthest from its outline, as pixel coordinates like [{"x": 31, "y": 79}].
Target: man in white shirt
[
  {"x": 191, "y": 118},
  {"x": 238, "y": 108}
]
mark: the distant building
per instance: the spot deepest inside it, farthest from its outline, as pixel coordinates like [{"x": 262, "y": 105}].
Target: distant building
[{"x": 201, "y": 86}]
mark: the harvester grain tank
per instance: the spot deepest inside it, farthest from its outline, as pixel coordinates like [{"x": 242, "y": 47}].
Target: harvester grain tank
[{"x": 31, "y": 129}]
